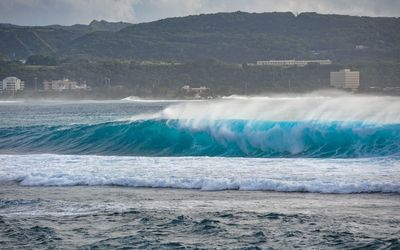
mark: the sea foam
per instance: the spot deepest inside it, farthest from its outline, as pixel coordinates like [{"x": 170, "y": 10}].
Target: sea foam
[{"x": 287, "y": 175}]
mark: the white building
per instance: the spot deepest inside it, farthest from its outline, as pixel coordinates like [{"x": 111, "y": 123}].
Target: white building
[
  {"x": 12, "y": 83},
  {"x": 61, "y": 85},
  {"x": 361, "y": 47},
  {"x": 345, "y": 79},
  {"x": 300, "y": 63},
  {"x": 198, "y": 92}
]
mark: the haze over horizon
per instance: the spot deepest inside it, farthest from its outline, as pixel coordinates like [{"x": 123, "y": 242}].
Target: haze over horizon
[{"x": 68, "y": 12}]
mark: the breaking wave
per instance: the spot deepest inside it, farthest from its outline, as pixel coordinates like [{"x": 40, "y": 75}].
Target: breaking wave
[
  {"x": 336, "y": 126},
  {"x": 234, "y": 138},
  {"x": 362, "y": 175}
]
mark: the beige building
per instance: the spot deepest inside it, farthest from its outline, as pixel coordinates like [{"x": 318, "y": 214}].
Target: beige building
[
  {"x": 61, "y": 85},
  {"x": 299, "y": 63},
  {"x": 197, "y": 92},
  {"x": 200, "y": 89},
  {"x": 345, "y": 79},
  {"x": 12, "y": 83}
]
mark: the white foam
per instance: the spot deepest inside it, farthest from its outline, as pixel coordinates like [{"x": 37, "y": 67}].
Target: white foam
[
  {"x": 305, "y": 175},
  {"x": 61, "y": 208}
]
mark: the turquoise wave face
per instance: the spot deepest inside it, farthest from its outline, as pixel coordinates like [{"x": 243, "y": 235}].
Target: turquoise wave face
[{"x": 231, "y": 138}]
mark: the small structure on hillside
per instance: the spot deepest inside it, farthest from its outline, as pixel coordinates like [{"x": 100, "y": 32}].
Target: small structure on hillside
[
  {"x": 13, "y": 83},
  {"x": 196, "y": 92},
  {"x": 345, "y": 79},
  {"x": 360, "y": 47}
]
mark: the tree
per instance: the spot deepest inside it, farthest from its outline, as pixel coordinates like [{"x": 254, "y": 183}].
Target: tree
[{"x": 41, "y": 60}]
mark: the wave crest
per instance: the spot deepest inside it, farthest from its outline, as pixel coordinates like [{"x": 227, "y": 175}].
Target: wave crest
[{"x": 239, "y": 138}]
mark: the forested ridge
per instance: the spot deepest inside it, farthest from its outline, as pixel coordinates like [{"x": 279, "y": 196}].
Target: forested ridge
[
  {"x": 156, "y": 59},
  {"x": 230, "y": 37}
]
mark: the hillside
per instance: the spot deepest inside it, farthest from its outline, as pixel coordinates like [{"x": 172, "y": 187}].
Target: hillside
[
  {"x": 244, "y": 37},
  {"x": 19, "y": 42},
  {"x": 230, "y": 37}
]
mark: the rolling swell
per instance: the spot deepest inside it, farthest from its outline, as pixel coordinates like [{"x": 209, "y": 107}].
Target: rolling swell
[{"x": 236, "y": 138}]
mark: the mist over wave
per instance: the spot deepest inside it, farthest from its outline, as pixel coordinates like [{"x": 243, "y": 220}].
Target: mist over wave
[{"x": 325, "y": 106}]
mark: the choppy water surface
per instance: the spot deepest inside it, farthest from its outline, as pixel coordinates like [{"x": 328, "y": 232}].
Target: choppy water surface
[
  {"x": 281, "y": 172},
  {"x": 112, "y": 217}
]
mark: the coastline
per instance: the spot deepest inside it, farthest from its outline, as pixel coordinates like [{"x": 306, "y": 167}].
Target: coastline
[{"x": 31, "y": 97}]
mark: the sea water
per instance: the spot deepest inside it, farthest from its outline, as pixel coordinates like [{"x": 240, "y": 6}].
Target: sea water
[{"x": 291, "y": 171}]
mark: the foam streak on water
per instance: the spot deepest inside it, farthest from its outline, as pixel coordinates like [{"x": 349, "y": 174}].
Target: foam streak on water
[{"x": 304, "y": 175}]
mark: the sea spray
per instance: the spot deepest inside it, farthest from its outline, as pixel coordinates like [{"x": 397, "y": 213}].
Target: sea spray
[
  {"x": 315, "y": 125},
  {"x": 369, "y": 109}
]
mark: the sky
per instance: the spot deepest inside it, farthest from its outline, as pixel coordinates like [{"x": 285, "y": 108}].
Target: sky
[{"x": 67, "y": 12}]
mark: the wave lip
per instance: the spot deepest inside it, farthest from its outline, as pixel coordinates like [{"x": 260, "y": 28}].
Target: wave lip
[
  {"x": 209, "y": 174},
  {"x": 229, "y": 138}
]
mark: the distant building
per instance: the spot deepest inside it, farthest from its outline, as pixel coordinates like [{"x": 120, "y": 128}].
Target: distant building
[
  {"x": 12, "y": 83},
  {"x": 62, "y": 85},
  {"x": 197, "y": 92},
  {"x": 345, "y": 79},
  {"x": 361, "y": 47},
  {"x": 201, "y": 89},
  {"x": 300, "y": 63},
  {"x": 391, "y": 89}
]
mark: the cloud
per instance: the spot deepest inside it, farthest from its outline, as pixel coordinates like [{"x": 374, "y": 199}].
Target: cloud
[{"x": 41, "y": 12}]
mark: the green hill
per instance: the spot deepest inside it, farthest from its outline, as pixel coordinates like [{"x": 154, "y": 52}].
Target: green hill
[
  {"x": 19, "y": 42},
  {"x": 244, "y": 37},
  {"x": 230, "y": 37}
]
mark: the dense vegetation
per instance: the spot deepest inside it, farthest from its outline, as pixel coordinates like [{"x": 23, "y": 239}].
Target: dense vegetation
[
  {"x": 230, "y": 37},
  {"x": 157, "y": 58},
  {"x": 165, "y": 80},
  {"x": 20, "y": 42}
]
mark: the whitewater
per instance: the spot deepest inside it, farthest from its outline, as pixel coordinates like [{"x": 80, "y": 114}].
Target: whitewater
[
  {"x": 319, "y": 170},
  {"x": 206, "y": 173},
  {"x": 336, "y": 143}
]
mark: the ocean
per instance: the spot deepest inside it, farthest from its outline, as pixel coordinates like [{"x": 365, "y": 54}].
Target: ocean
[{"x": 314, "y": 171}]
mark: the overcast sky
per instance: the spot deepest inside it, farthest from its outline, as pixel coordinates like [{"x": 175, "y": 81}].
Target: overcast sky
[{"x": 67, "y": 12}]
